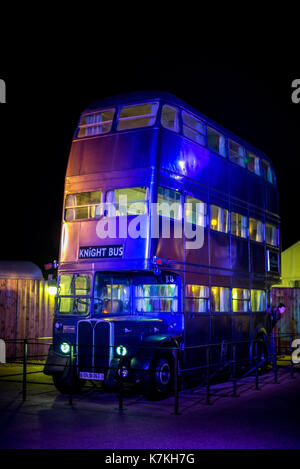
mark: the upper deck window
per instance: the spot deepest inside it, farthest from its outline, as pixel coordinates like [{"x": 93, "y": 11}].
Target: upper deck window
[
  {"x": 95, "y": 123},
  {"x": 256, "y": 230},
  {"x": 253, "y": 163},
  {"x": 126, "y": 201},
  {"x": 236, "y": 153},
  {"x": 195, "y": 211},
  {"x": 271, "y": 235},
  {"x": 267, "y": 171},
  {"x": 216, "y": 141},
  {"x": 218, "y": 218},
  {"x": 258, "y": 300},
  {"x": 140, "y": 115},
  {"x": 238, "y": 224},
  {"x": 169, "y": 203},
  {"x": 83, "y": 205},
  {"x": 169, "y": 118},
  {"x": 193, "y": 128}
]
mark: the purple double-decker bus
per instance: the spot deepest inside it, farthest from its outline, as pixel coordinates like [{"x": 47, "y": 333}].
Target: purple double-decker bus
[{"x": 130, "y": 291}]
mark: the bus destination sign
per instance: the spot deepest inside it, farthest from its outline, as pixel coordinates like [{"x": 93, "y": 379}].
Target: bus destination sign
[{"x": 101, "y": 252}]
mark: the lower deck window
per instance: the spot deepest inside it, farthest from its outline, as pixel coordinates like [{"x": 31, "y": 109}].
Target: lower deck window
[
  {"x": 111, "y": 295},
  {"x": 196, "y": 298},
  {"x": 220, "y": 299},
  {"x": 74, "y": 294},
  {"x": 258, "y": 300},
  {"x": 218, "y": 219},
  {"x": 156, "y": 298},
  {"x": 240, "y": 300}
]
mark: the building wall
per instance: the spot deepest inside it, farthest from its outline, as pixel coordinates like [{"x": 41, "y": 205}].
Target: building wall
[
  {"x": 290, "y": 322},
  {"x": 26, "y": 311}
]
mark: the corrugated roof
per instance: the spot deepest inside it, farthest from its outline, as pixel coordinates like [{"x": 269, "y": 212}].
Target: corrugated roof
[{"x": 20, "y": 269}]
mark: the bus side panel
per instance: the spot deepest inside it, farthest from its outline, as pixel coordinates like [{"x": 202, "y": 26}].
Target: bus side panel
[
  {"x": 255, "y": 188},
  {"x": 257, "y": 258},
  {"x": 181, "y": 156},
  {"x": 219, "y": 250},
  {"x": 113, "y": 152},
  {"x": 241, "y": 331},
  {"x": 197, "y": 332},
  {"x": 239, "y": 255},
  {"x": 238, "y": 182},
  {"x": 198, "y": 257},
  {"x": 221, "y": 327}
]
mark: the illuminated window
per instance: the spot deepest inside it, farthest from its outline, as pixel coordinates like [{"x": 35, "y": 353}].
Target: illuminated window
[
  {"x": 83, "y": 205},
  {"x": 169, "y": 203},
  {"x": 216, "y": 141},
  {"x": 111, "y": 295},
  {"x": 195, "y": 211},
  {"x": 218, "y": 218},
  {"x": 156, "y": 298},
  {"x": 196, "y": 298},
  {"x": 219, "y": 300},
  {"x": 238, "y": 225},
  {"x": 240, "y": 300},
  {"x": 141, "y": 115},
  {"x": 193, "y": 128},
  {"x": 236, "y": 153},
  {"x": 126, "y": 201},
  {"x": 267, "y": 171},
  {"x": 256, "y": 230},
  {"x": 271, "y": 235},
  {"x": 253, "y": 163},
  {"x": 74, "y": 294},
  {"x": 258, "y": 300},
  {"x": 169, "y": 118},
  {"x": 95, "y": 123}
]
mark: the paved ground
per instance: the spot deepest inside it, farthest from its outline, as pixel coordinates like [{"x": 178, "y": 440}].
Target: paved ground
[{"x": 268, "y": 418}]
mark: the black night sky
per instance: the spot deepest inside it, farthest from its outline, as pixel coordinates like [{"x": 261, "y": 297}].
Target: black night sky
[{"x": 245, "y": 86}]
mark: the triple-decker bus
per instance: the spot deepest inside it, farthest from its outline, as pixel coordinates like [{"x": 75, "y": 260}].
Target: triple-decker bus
[{"x": 169, "y": 240}]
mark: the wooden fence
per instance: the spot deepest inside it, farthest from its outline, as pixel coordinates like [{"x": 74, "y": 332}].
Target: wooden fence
[
  {"x": 290, "y": 321},
  {"x": 26, "y": 311}
]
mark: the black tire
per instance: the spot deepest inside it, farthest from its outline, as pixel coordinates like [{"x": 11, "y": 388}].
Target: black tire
[
  {"x": 161, "y": 378},
  {"x": 65, "y": 383},
  {"x": 262, "y": 353}
]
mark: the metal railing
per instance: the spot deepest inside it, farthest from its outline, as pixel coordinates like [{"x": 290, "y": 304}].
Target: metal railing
[{"x": 208, "y": 371}]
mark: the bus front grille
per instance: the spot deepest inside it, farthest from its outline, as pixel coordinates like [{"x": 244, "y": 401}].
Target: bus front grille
[{"x": 94, "y": 346}]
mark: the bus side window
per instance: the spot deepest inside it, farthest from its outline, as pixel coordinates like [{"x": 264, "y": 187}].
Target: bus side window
[
  {"x": 218, "y": 219},
  {"x": 127, "y": 201},
  {"x": 256, "y": 230},
  {"x": 169, "y": 118},
  {"x": 216, "y": 141},
  {"x": 140, "y": 115},
  {"x": 196, "y": 298}
]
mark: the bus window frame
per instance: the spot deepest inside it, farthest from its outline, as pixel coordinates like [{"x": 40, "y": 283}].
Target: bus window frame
[{"x": 134, "y": 129}]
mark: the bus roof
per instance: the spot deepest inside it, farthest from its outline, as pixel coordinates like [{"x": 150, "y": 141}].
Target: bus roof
[{"x": 142, "y": 96}]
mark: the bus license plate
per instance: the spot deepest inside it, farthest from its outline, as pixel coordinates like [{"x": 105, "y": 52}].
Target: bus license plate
[{"x": 96, "y": 376}]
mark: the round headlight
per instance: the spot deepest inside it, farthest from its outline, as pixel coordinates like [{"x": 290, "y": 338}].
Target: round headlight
[
  {"x": 65, "y": 347},
  {"x": 121, "y": 350}
]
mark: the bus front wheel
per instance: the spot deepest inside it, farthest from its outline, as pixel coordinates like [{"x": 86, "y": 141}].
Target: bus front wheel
[
  {"x": 65, "y": 383},
  {"x": 160, "y": 380}
]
